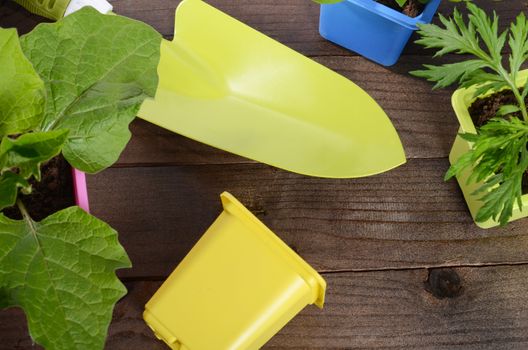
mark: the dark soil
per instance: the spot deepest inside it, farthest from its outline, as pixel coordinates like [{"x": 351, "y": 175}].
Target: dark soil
[
  {"x": 53, "y": 193},
  {"x": 412, "y": 8},
  {"x": 484, "y": 109}
]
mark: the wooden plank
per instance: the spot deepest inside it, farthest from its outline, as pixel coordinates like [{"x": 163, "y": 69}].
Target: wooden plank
[
  {"x": 293, "y": 22},
  {"x": 392, "y": 310},
  {"x": 152, "y": 145},
  {"x": 406, "y": 218},
  {"x": 487, "y": 309}
]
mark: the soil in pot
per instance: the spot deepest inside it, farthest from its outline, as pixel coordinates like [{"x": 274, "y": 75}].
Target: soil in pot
[
  {"x": 484, "y": 109},
  {"x": 412, "y": 8},
  {"x": 53, "y": 193}
]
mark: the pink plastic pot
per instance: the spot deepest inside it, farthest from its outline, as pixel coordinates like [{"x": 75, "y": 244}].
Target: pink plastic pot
[{"x": 80, "y": 189}]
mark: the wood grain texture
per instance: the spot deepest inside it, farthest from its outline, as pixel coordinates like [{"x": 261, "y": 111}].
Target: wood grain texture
[
  {"x": 392, "y": 310},
  {"x": 370, "y": 310},
  {"x": 154, "y": 146},
  {"x": 406, "y": 218},
  {"x": 293, "y": 22},
  {"x": 363, "y": 234}
]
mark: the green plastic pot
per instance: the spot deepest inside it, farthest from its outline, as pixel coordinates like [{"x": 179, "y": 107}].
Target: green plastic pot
[{"x": 462, "y": 100}]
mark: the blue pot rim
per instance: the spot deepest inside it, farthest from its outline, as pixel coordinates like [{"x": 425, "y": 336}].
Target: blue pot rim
[{"x": 396, "y": 16}]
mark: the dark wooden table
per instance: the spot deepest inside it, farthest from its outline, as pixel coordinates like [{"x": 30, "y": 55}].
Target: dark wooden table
[{"x": 405, "y": 265}]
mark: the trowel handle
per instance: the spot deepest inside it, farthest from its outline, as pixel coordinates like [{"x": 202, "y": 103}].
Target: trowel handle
[{"x": 57, "y": 9}]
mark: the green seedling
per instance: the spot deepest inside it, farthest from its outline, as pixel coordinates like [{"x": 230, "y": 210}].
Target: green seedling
[
  {"x": 499, "y": 155},
  {"x": 71, "y": 87}
]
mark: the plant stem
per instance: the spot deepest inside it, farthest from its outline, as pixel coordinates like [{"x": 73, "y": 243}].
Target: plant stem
[
  {"x": 23, "y": 210},
  {"x": 522, "y": 104},
  {"x": 515, "y": 90}
]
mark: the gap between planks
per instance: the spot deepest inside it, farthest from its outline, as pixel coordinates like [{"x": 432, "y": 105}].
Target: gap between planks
[
  {"x": 367, "y": 270},
  {"x": 238, "y": 162}
]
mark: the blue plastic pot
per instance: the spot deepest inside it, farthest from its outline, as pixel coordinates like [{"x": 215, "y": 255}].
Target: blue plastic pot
[{"x": 371, "y": 29}]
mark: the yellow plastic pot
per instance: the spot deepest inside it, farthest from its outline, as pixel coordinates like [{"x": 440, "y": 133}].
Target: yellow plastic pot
[
  {"x": 462, "y": 100},
  {"x": 238, "y": 286}
]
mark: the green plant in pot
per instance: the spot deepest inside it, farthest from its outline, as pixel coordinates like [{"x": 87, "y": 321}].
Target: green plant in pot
[
  {"x": 490, "y": 156},
  {"x": 69, "y": 88}
]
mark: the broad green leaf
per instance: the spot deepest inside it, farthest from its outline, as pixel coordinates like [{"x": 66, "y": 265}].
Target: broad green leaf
[
  {"x": 9, "y": 185},
  {"x": 97, "y": 69},
  {"x": 22, "y": 92},
  {"x": 30, "y": 150},
  {"x": 61, "y": 272}
]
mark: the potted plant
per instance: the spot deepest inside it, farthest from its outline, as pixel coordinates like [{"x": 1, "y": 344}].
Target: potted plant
[
  {"x": 489, "y": 157},
  {"x": 68, "y": 92},
  {"x": 60, "y": 186},
  {"x": 376, "y": 29}
]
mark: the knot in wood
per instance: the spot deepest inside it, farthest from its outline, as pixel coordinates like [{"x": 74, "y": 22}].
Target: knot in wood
[{"x": 443, "y": 283}]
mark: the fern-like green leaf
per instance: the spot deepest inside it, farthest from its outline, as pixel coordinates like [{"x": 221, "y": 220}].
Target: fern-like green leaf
[
  {"x": 498, "y": 157},
  {"x": 519, "y": 44},
  {"x": 448, "y": 74}
]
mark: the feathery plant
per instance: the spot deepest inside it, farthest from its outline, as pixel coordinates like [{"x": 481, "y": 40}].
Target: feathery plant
[{"x": 499, "y": 155}]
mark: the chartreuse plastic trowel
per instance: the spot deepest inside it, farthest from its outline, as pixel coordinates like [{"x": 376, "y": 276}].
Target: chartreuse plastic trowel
[{"x": 229, "y": 86}]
